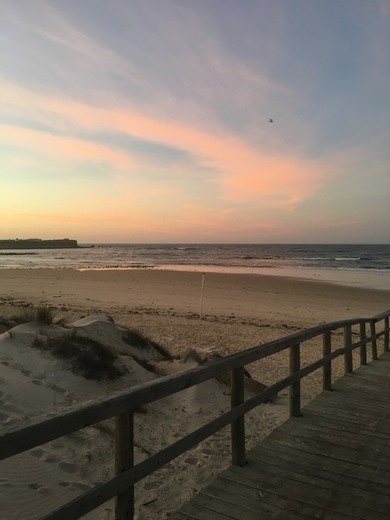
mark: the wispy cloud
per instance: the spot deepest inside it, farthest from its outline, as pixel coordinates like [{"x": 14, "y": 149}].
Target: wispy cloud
[
  {"x": 64, "y": 148},
  {"x": 240, "y": 171}
]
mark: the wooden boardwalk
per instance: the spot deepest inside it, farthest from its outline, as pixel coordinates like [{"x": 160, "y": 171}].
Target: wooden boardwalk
[{"x": 333, "y": 463}]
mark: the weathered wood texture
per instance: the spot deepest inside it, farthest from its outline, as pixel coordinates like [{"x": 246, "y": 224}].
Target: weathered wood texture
[
  {"x": 238, "y": 426},
  {"x": 124, "y": 459},
  {"x": 333, "y": 463}
]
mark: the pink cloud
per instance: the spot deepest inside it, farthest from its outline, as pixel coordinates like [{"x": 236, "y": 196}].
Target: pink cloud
[
  {"x": 240, "y": 171},
  {"x": 65, "y": 147}
]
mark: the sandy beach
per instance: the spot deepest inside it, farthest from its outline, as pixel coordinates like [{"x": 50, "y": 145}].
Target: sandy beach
[{"x": 231, "y": 313}]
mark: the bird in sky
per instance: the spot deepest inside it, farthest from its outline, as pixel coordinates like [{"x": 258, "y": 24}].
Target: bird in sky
[{"x": 270, "y": 120}]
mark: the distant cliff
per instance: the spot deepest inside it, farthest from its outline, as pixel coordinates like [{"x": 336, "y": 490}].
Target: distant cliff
[{"x": 37, "y": 243}]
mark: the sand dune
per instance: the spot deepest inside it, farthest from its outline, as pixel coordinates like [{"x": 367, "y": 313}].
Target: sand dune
[{"x": 35, "y": 383}]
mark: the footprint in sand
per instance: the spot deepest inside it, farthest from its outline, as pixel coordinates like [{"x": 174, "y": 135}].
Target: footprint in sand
[
  {"x": 17, "y": 366},
  {"x": 56, "y": 388},
  {"x": 50, "y": 459},
  {"x": 43, "y": 490},
  {"x": 35, "y": 485},
  {"x": 64, "y": 483},
  {"x": 153, "y": 485},
  {"x": 191, "y": 460},
  {"x": 74, "y": 485},
  {"x": 10, "y": 408},
  {"x": 38, "y": 375},
  {"x": 81, "y": 486},
  {"x": 38, "y": 453},
  {"x": 207, "y": 451},
  {"x": 43, "y": 455},
  {"x": 66, "y": 466}
]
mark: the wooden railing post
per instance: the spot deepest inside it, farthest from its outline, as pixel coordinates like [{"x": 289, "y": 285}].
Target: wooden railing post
[
  {"x": 238, "y": 426},
  {"x": 327, "y": 369},
  {"x": 295, "y": 388},
  {"x": 373, "y": 340},
  {"x": 124, "y": 459},
  {"x": 348, "y": 365},
  {"x": 386, "y": 337},
  {"x": 363, "y": 348}
]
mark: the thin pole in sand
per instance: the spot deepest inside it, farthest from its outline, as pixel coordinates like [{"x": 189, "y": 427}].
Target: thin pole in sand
[
  {"x": 201, "y": 297},
  {"x": 200, "y": 306}
]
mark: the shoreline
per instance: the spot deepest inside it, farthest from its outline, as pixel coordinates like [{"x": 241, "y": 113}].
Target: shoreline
[
  {"x": 262, "y": 298},
  {"x": 359, "y": 278},
  {"x": 365, "y": 279}
]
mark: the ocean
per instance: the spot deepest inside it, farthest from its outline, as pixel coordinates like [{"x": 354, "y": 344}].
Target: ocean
[{"x": 236, "y": 256}]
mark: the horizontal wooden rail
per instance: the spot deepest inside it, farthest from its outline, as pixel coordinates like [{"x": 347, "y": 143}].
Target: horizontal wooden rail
[{"x": 122, "y": 404}]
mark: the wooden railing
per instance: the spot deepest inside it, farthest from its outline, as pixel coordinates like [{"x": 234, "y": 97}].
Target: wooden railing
[{"x": 123, "y": 404}]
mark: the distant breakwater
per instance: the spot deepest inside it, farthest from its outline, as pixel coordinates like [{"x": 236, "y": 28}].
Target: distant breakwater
[{"x": 37, "y": 243}]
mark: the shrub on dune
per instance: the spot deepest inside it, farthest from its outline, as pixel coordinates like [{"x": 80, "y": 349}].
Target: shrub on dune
[
  {"x": 43, "y": 315},
  {"x": 86, "y": 357}
]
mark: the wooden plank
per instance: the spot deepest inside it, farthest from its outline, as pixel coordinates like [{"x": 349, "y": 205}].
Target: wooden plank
[
  {"x": 244, "y": 488},
  {"x": 353, "y": 406},
  {"x": 326, "y": 437},
  {"x": 256, "y": 504},
  {"x": 124, "y": 460},
  {"x": 348, "y": 365},
  {"x": 272, "y": 494},
  {"x": 307, "y": 476},
  {"x": 295, "y": 388},
  {"x": 332, "y": 425},
  {"x": 386, "y": 335},
  {"x": 199, "y": 511},
  {"x": 353, "y": 394},
  {"x": 351, "y": 420},
  {"x": 327, "y": 369},
  {"x": 327, "y": 469},
  {"x": 238, "y": 426},
  {"x": 227, "y": 510},
  {"x": 363, "y": 385},
  {"x": 329, "y": 449},
  {"x": 374, "y": 342},
  {"x": 179, "y": 515},
  {"x": 332, "y": 500},
  {"x": 301, "y": 502},
  {"x": 328, "y": 420},
  {"x": 326, "y": 464},
  {"x": 375, "y": 368},
  {"x": 363, "y": 348}
]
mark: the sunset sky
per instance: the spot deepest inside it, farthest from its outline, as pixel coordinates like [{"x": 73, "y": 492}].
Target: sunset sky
[{"x": 148, "y": 120}]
